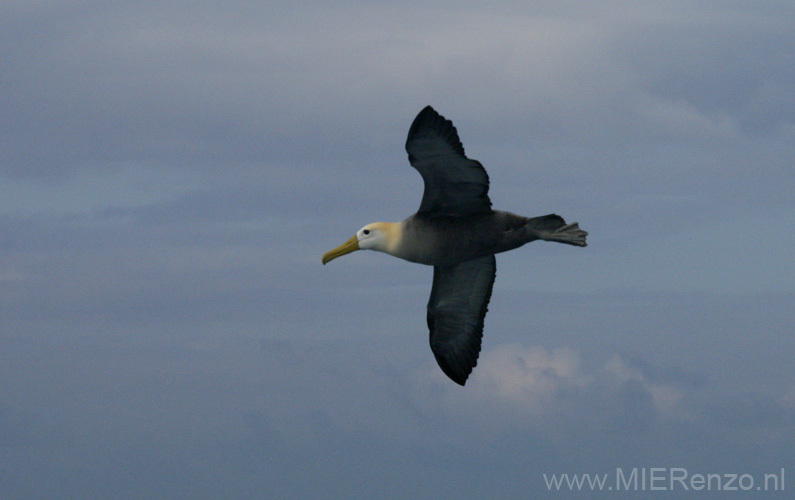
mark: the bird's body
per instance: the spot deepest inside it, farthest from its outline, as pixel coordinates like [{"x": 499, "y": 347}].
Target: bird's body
[
  {"x": 457, "y": 232},
  {"x": 448, "y": 240}
]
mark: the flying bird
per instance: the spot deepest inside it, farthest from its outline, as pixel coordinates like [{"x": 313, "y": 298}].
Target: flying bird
[{"x": 457, "y": 232}]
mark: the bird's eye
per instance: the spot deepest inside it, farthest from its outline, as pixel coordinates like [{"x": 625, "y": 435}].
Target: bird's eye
[{"x": 366, "y": 232}]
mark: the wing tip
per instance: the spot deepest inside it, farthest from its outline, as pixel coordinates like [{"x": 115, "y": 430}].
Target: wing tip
[
  {"x": 458, "y": 374},
  {"x": 428, "y": 109},
  {"x": 462, "y": 382},
  {"x": 423, "y": 117},
  {"x": 429, "y": 122}
]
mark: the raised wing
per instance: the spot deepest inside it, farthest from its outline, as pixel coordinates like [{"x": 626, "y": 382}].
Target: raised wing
[
  {"x": 456, "y": 310},
  {"x": 454, "y": 184}
]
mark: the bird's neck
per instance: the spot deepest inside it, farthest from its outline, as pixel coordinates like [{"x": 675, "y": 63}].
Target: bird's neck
[{"x": 393, "y": 235}]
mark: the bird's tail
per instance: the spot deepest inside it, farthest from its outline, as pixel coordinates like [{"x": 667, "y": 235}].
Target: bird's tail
[{"x": 552, "y": 227}]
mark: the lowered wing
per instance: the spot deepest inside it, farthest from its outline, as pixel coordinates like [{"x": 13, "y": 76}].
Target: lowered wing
[{"x": 456, "y": 310}]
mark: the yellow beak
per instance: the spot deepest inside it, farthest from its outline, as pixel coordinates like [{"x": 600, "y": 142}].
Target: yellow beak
[{"x": 349, "y": 246}]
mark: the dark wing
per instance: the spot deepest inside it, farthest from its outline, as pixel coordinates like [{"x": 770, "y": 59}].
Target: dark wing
[
  {"x": 454, "y": 184},
  {"x": 456, "y": 309}
]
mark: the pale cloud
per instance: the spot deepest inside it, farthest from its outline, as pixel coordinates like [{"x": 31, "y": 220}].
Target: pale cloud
[
  {"x": 543, "y": 383},
  {"x": 668, "y": 399},
  {"x": 529, "y": 376}
]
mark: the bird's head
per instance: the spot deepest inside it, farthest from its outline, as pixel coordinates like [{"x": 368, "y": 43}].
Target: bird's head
[{"x": 380, "y": 236}]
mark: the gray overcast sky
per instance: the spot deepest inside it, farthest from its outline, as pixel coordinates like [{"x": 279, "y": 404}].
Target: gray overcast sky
[{"x": 173, "y": 171}]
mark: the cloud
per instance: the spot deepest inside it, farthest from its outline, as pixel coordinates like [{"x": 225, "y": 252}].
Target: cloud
[
  {"x": 529, "y": 377},
  {"x": 197, "y": 89},
  {"x": 666, "y": 398},
  {"x": 543, "y": 383}
]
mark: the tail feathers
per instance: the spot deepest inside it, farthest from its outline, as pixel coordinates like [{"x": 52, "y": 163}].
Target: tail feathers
[
  {"x": 552, "y": 227},
  {"x": 570, "y": 234},
  {"x": 547, "y": 223}
]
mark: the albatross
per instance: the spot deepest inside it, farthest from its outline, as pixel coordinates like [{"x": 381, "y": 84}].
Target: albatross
[{"x": 457, "y": 232}]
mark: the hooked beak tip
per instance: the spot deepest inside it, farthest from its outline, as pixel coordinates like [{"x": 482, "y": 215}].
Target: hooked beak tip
[{"x": 349, "y": 246}]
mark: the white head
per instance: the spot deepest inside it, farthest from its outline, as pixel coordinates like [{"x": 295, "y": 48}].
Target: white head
[{"x": 380, "y": 236}]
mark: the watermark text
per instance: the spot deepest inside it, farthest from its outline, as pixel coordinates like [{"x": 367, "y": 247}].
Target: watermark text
[{"x": 665, "y": 479}]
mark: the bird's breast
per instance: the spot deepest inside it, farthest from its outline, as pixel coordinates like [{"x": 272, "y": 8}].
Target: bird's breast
[{"x": 446, "y": 241}]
